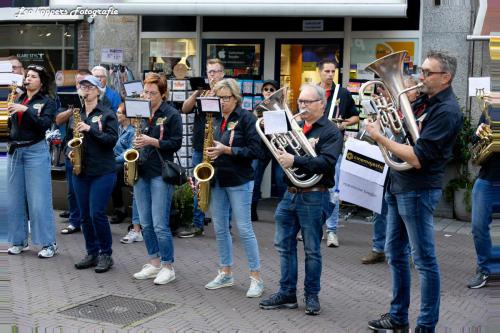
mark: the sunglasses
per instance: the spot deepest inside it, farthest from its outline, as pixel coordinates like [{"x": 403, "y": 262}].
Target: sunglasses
[
  {"x": 36, "y": 67},
  {"x": 269, "y": 89}
]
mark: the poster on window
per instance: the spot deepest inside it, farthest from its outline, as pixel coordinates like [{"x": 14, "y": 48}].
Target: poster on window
[{"x": 238, "y": 59}]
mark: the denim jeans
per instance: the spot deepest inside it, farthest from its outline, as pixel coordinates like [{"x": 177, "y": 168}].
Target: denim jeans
[
  {"x": 153, "y": 199},
  {"x": 259, "y": 168},
  {"x": 135, "y": 213},
  {"x": 93, "y": 194},
  {"x": 198, "y": 215},
  {"x": 306, "y": 212},
  {"x": 410, "y": 221},
  {"x": 74, "y": 212},
  {"x": 29, "y": 189},
  {"x": 379, "y": 226},
  {"x": 333, "y": 220},
  {"x": 485, "y": 196},
  {"x": 235, "y": 201}
]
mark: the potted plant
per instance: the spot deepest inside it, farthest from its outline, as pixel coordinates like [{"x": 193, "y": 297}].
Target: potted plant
[
  {"x": 182, "y": 207},
  {"x": 459, "y": 189}
]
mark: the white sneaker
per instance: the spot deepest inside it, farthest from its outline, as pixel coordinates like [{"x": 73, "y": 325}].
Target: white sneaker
[
  {"x": 165, "y": 276},
  {"x": 221, "y": 280},
  {"x": 332, "y": 240},
  {"x": 48, "y": 251},
  {"x": 16, "y": 249},
  {"x": 148, "y": 271},
  {"x": 132, "y": 236},
  {"x": 256, "y": 287}
]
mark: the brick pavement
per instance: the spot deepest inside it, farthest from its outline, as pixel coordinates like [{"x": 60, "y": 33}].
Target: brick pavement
[{"x": 351, "y": 293}]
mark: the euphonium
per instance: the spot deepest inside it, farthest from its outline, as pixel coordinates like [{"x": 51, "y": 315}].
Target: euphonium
[
  {"x": 489, "y": 136},
  {"x": 204, "y": 171},
  {"x": 402, "y": 129},
  {"x": 75, "y": 144},
  {"x": 130, "y": 173},
  {"x": 295, "y": 138}
]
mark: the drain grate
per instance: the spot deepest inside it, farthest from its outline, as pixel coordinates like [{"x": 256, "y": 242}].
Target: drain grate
[{"x": 117, "y": 310}]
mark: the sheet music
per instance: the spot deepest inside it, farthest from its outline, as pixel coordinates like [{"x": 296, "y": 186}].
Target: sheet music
[{"x": 275, "y": 122}]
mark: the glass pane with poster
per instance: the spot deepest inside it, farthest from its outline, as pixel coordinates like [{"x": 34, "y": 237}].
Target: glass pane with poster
[
  {"x": 366, "y": 50},
  {"x": 297, "y": 63},
  {"x": 163, "y": 54}
]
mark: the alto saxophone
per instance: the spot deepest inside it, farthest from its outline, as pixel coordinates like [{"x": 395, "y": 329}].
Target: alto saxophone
[
  {"x": 130, "y": 173},
  {"x": 75, "y": 144},
  {"x": 204, "y": 171},
  {"x": 4, "y": 112}
]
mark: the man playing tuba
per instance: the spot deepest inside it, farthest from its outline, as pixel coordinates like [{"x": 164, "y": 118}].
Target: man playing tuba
[{"x": 413, "y": 194}]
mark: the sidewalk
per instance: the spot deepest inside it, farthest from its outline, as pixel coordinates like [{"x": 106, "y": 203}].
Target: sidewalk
[{"x": 351, "y": 294}]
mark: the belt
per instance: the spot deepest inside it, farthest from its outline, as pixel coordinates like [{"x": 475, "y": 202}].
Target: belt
[
  {"x": 13, "y": 145},
  {"x": 319, "y": 188}
]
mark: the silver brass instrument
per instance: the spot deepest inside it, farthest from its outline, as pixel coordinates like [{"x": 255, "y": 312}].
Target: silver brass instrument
[
  {"x": 489, "y": 136},
  {"x": 75, "y": 144},
  {"x": 396, "y": 116},
  {"x": 131, "y": 155},
  {"x": 294, "y": 139}
]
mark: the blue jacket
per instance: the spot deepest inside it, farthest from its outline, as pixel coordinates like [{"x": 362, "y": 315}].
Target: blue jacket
[
  {"x": 124, "y": 142},
  {"x": 114, "y": 98}
]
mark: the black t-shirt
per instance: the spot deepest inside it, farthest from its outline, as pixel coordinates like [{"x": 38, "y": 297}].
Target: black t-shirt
[
  {"x": 346, "y": 107},
  {"x": 490, "y": 170},
  {"x": 439, "y": 129}
]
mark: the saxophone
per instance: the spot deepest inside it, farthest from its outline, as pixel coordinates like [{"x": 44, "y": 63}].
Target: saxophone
[
  {"x": 131, "y": 156},
  {"x": 489, "y": 136},
  {"x": 75, "y": 144},
  {"x": 204, "y": 171},
  {"x": 4, "y": 112}
]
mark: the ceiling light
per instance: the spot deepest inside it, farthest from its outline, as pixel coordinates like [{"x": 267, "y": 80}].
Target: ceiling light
[{"x": 48, "y": 34}]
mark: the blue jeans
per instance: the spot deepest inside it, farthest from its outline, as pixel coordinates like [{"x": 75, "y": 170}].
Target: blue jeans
[
  {"x": 153, "y": 199},
  {"x": 333, "y": 220},
  {"x": 260, "y": 168},
  {"x": 379, "y": 226},
  {"x": 135, "y": 213},
  {"x": 74, "y": 212},
  {"x": 198, "y": 215},
  {"x": 410, "y": 221},
  {"x": 485, "y": 195},
  {"x": 93, "y": 194},
  {"x": 306, "y": 212},
  {"x": 29, "y": 188},
  {"x": 235, "y": 201}
]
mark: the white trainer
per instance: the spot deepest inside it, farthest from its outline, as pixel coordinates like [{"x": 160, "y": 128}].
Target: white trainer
[
  {"x": 48, "y": 251},
  {"x": 132, "y": 236},
  {"x": 165, "y": 276},
  {"x": 148, "y": 271},
  {"x": 332, "y": 240},
  {"x": 256, "y": 287},
  {"x": 16, "y": 249}
]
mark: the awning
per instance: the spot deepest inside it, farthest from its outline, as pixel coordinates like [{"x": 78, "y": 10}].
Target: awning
[
  {"x": 354, "y": 8},
  {"x": 488, "y": 18}
]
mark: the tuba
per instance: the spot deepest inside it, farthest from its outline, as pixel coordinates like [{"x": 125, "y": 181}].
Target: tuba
[
  {"x": 489, "y": 136},
  {"x": 130, "y": 171},
  {"x": 399, "y": 127},
  {"x": 75, "y": 144},
  {"x": 204, "y": 171},
  {"x": 295, "y": 138}
]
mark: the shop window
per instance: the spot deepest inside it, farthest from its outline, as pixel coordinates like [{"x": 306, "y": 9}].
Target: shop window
[
  {"x": 241, "y": 58},
  {"x": 162, "y": 54}
]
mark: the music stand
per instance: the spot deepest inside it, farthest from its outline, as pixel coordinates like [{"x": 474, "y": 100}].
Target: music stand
[
  {"x": 209, "y": 104},
  {"x": 137, "y": 108}
]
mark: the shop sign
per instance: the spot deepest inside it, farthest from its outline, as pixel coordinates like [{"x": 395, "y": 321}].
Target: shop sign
[
  {"x": 111, "y": 56},
  {"x": 237, "y": 56},
  {"x": 312, "y": 25}
]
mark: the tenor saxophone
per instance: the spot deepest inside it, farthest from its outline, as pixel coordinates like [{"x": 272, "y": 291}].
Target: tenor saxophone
[
  {"x": 130, "y": 173},
  {"x": 204, "y": 171},
  {"x": 75, "y": 144}
]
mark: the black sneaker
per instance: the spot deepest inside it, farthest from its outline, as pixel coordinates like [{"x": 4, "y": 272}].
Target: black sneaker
[
  {"x": 190, "y": 232},
  {"x": 387, "y": 323},
  {"x": 312, "y": 305},
  {"x": 479, "y": 281},
  {"x": 118, "y": 217},
  {"x": 279, "y": 301},
  {"x": 104, "y": 263},
  {"x": 90, "y": 260},
  {"x": 64, "y": 214}
]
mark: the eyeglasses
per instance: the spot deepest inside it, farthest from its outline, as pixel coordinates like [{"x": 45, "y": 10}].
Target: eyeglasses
[
  {"x": 269, "y": 89},
  {"x": 307, "y": 102},
  {"x": 100, "y": 76},
  {"x": 213, "y": 71},
  {"x": 17, "y": 67},
  {"x": 150, "y": 93},
  {"x": 36, "y": 67},
  {"x": 225, "y": 98},
  {"x": 425, "y": 73},
  {"x": 87, "y": 87}
]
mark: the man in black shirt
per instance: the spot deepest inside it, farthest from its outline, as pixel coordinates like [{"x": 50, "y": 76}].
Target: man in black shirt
[
  {"x": 485, "y": 194},
  {"x": 413, "y": 194},
  {"x": 306, "y": 209},
  {"x": 215, "y": 73}
]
